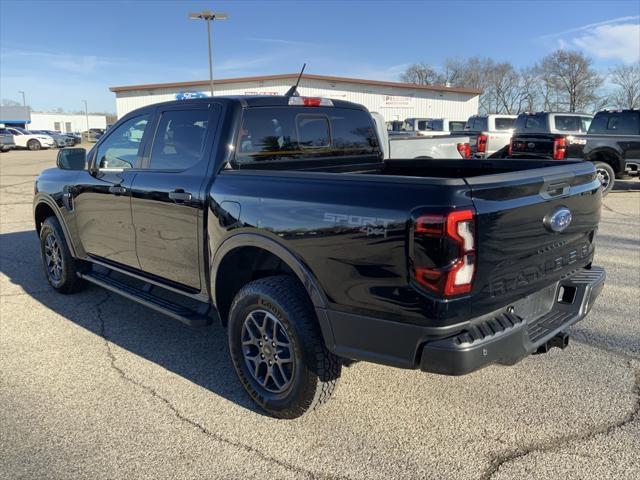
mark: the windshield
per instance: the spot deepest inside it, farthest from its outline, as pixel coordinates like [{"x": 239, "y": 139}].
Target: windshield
[{"x": 21, "y": 130}]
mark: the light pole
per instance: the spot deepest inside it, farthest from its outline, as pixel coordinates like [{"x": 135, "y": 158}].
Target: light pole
[
  {"x": 209, "y": 16},
  {"x": 86, "y": 116},
  {"x": 24, "y": 102}
]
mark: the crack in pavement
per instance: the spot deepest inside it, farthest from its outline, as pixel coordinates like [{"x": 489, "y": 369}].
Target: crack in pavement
[
  {"x": 619, "y": 213},
  {"x": 500, "y": 460},
  {"x": 214, "y": 436}
]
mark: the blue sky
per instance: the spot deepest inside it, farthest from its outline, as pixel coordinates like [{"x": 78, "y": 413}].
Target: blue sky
[{"x": 74, "y": 50}]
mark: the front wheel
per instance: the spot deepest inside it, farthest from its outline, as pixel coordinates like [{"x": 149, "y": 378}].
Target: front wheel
[
  {"x": 34, "y": 145},
  {"x": 60, "y": 268},
  {"x": 606, "y": 175},
  {"x": 277, "y": 349}
]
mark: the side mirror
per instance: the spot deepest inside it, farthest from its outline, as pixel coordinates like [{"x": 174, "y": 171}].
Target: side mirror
[{"x": 72, "y": 159}]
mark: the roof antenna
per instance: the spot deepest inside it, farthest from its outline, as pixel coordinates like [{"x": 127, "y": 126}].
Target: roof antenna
[{"x": 293, "y": 91}]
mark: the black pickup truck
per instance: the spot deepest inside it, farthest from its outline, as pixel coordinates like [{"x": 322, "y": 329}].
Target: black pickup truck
[
  {"x": 279, "y": 218},
  {"x": 611, "y": 141}
]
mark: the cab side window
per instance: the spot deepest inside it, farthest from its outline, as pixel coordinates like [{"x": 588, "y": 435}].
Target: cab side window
[
  {"x": 121, "y": 148},
  {"x": 180, "y": 139}
]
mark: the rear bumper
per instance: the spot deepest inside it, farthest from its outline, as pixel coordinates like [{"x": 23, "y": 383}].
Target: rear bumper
[{"x": 503, "y": 337}]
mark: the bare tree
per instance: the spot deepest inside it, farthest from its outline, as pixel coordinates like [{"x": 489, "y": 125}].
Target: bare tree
[
  {"x": 529, "y": 91},
  {"x": 627, "y": 80},
  {"x": 569, "y": 77},
  {"x": 421, "y": 74}
]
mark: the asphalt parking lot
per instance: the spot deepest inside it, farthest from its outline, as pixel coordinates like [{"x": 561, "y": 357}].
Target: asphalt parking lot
[{"x": 95, "y": 386}]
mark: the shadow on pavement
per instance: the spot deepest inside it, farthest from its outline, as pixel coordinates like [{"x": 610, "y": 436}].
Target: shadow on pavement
[
  {"x": 198, "y": 355},
  {"x": 631, "y": 185}
]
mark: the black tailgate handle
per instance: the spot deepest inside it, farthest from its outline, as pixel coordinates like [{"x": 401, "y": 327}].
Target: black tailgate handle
[{"x": 554, "y": 187}]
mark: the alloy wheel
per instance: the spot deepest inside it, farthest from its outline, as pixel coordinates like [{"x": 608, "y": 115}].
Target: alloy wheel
[
  {"x": 604, "y": 177},
  {"x": 53, "y": 258},
  {"x": 267, "y": 351}
]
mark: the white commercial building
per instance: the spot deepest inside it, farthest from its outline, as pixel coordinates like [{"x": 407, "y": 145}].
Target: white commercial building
[
  {"x": 394, "y": 100},
  {"x": 66, "y": 122}
]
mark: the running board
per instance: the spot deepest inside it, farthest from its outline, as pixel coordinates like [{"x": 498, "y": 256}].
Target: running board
[{"x": 144, "y": 296}]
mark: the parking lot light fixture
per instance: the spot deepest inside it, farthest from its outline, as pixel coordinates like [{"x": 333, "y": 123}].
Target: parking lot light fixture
[
  {"x": 209, "y": 16},
  {"x": 86, "y": 115},
  {"x": 24, "y": 102}
]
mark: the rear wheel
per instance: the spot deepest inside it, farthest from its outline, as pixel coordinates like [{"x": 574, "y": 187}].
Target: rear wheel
[
  {"x": 34, "y": 144},
  {"x": 606, "y": 175},
  {"x": 60, "y": 268},
  {"x": 277, "y": 348}
]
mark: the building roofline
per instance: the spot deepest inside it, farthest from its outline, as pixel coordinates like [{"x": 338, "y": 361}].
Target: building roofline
[{"x": 309, "y": 76}]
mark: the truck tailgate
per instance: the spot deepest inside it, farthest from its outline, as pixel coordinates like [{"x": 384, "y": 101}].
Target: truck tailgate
[
  {"x": 533, "y": 144},
  {"x": 520, "y": 250}
]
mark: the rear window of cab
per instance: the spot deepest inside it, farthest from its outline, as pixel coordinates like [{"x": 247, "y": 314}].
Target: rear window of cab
[
  {"x": 531, "y": 123},
  {"x": 616, "y": 123},
  {"x": 271, "y": 134}
]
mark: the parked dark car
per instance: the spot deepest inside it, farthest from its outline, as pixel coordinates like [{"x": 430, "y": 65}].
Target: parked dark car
[
  {"x": 6, "y": 140},
  {"x": 279, "y": 218}
]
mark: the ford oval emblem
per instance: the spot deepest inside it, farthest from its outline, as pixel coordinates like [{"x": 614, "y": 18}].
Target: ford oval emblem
[
  {"x": 558, "y": 220},
  {"x": 531, "y": 145}
]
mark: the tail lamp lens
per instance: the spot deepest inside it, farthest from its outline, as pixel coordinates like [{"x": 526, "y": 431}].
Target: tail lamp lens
[
  {"x": 456, "y": 278},
  {"x": 464, "y": 150},
  {"x": 481, "y": 142},
  {"x": 559, "y": 148}
]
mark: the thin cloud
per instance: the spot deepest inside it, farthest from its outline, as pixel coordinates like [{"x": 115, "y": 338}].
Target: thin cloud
[
  {"x": 627, "y": 19},
  {"x": 612, "y": 42},
  {"x": 281, "y": 41}
]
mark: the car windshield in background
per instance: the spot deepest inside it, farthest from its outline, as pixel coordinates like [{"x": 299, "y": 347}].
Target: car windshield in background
[
  {"x": 616, "y": 123},
  {"x": 503, "y": 123},
  {"x": 21, "y": 130}
]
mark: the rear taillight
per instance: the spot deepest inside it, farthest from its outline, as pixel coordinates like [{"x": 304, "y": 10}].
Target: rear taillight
[
  {"x": 559, "y": 148},
  {"x": 310, "y": 102},
  {"x": 511, "y": 147},
  {"x": 481, "y": 142},
  {"x": 456, "y": 277},
  {"x": 464, "y": 150}
]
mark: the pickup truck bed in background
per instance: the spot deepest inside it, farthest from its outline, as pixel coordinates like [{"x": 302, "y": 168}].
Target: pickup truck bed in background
[{"x": 279, "y": 217}]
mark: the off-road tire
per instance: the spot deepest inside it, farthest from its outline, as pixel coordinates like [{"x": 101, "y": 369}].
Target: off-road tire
[
  {"x": 605, "y": 170},
  {"x": 34, "y": 144},
  {"x": 68, "y": 280},
  {"x": 315, "y": 371}
]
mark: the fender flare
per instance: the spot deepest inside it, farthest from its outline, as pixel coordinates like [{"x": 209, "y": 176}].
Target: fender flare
[
  {"x": 620, "y": 163},
  {"x": 250, "y": 239},
  {"x": 42, "y": 198}
]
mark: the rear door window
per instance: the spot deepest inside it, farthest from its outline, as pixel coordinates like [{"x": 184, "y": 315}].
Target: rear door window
[
  {"x": 456, "y": 126},
  {"x": 179, "y": 140}
]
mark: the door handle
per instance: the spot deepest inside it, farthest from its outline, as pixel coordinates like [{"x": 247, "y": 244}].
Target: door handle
[
  {"x": 180, "y": 196},
  {"x": 117, "y": 190}
]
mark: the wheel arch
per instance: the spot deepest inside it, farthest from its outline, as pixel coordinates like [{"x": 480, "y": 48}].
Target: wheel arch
[
  {"x": 260, "y": 256},
  {"x": 609, "y": 156},
  {"x": 45, "y": 207}
]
